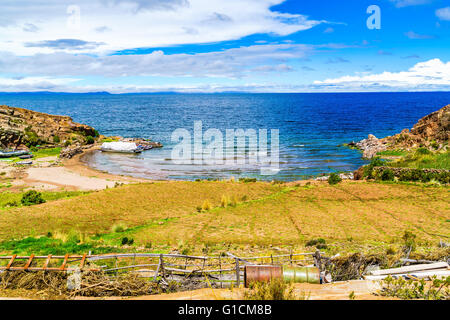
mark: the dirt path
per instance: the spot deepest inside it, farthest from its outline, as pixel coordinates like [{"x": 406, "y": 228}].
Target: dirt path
[{"x": 361, "y": 289}]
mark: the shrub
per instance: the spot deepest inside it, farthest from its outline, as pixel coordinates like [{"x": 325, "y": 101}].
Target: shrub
[
  {"x": 67, "y": 143},
  {"x": 185, "y": 251},
  {"x": 118, "y": 228},
  {"x": 423, "y": 151},
  {"x": 246, "y": 180},
  {"x": 90, "y": 140},
  {"x": 11, "y": 204},
  {"x": 275, "y": 289},
  {"x": 206, "y": 205},
  {"x": 409, "y": 240},
  {"x": 368, "y": 170},
  {"x": 334, "y": 178},
  {"x": 126, "y": 240},
  {"x": 415, "y": 175},
  {"x": 387, "y": 175},
  {"x": 320, "y": 242},
  {"x": 443, "y": 177},
  {"x": 96, "y": 133},
  {"x": 390, "y": 251},
  {"x": 56, "y": 139},
  {"x": 434, "y": 145},
  {"x": 32, "y": 197},
  {"x": 31, "y": 137},
  {"x": 436, "y": 289},
  {"x": 224, "y": 201}
]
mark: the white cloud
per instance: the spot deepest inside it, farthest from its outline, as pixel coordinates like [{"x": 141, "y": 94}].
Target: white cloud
[
  {"x": 414, "y": 35},
  {"x": 231, "y": 63},
  {"x": 125, "y": 24},
  {"x": 407, "y": 3},
  {"x": 428, "y": 75},
  {"x": 443, "y": 14},
  {"x": 29, "y": 84}
]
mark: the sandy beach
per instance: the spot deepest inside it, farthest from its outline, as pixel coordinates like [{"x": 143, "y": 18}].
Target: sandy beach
[{"x": 51, "y": 173}]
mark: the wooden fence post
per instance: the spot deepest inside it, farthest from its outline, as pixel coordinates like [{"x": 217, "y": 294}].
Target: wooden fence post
[
  {"x": 157, "y": 269},
  {"x": 220, "y": 274},
  {"x": 238, "y": 273},
  {"x": 163, "y": 274}
]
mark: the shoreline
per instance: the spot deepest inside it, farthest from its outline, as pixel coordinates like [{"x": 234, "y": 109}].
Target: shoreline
[
  {"x": 54, "y": 174},
  {"x": 76, "y": 164}
]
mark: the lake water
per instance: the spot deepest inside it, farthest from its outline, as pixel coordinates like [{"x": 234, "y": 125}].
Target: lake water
[{"x": 311, "y": 126}]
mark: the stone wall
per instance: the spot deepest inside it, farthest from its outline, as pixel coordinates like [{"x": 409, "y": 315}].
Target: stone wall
[{"x": 398, "y": 171}]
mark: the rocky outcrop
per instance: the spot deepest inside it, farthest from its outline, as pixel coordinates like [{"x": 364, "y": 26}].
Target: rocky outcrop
[
  {"x": 70, "y": 152},
  {"x": 435, "y": 126},
  {"x": 21, "y": 127},
  {"x": 371, "y": 146},
  {"x": 432, "y": 131}
]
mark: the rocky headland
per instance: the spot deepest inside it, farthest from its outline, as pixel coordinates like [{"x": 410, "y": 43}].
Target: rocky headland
[
  {"x": 22, "y": 128},
  {"x": 431, "y": 132}
]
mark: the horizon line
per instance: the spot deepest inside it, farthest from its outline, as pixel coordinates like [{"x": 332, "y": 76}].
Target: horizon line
[{"x": 206, "y": 92}]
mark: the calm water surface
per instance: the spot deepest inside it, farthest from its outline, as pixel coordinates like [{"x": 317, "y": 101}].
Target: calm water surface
[{"x": 311, "y": 126}]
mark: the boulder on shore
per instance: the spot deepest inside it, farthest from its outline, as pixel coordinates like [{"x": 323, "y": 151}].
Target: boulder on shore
[{"x": 371, "y": 146}]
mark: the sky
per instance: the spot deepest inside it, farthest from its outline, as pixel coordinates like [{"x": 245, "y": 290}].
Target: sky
[{"x": 126, "y": 46}]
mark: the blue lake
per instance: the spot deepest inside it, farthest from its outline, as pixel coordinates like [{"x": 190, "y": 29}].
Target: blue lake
[{"x": 311, "y": 126}]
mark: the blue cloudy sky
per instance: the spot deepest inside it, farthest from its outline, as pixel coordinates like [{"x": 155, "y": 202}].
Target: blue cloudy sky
[{"x": 223, "y": 45}]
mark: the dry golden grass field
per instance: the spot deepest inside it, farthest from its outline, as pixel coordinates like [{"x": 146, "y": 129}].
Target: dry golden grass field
[{"x": 259, "y": 214}]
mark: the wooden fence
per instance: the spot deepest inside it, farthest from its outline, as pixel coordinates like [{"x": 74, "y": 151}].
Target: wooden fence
[{"x": 222, "y": 270}]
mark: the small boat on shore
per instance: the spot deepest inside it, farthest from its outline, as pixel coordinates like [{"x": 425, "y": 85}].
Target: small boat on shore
[
  {"x": 26, "y": 156},
  {"x": 10, "y": 154},
  {"x": 121, "y": 147},
  {"x": 25, "y": 163}
]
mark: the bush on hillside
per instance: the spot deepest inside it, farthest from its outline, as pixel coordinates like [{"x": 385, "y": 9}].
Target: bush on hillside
[
  {"x": 423, "y": 151},
  {"x": 368, "y": 170},
  {"x": 32, "y": 197},
  {"x": 31, "y": 138},
  {"x": 90, "y": 140},
  {"x": 387, "y": 175},
  {"x": 334, "y": 178}
]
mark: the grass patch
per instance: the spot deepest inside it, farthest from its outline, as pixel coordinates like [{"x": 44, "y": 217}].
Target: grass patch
[
  {"x": 47, "y": 152},
  {"x": 47, "y": 245},
  {"x": 162, "y": 214},
  {"x": 424, "y": 160},
  {"x": 9, "y": 198},
  {"x": 276, "y": 289},
  {"x": 393, "y": 153}
]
